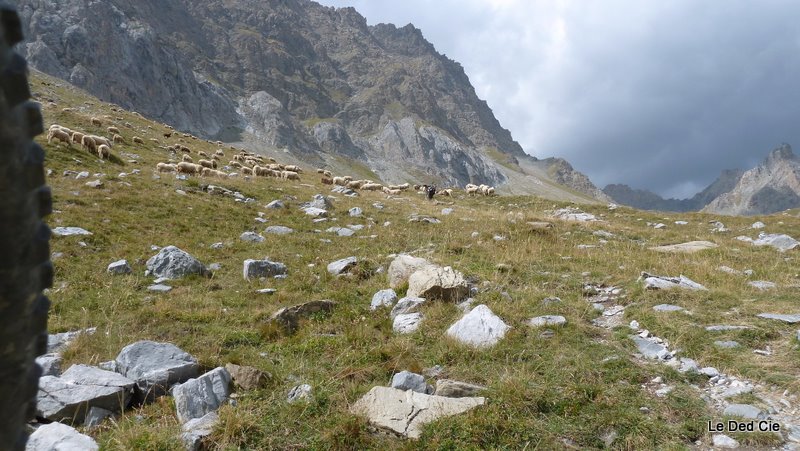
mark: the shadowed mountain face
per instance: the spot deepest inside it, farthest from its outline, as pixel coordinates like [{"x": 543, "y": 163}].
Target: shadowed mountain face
[
  {"x": 770, "y": 187},
  {"x": 287, "y": 73}
]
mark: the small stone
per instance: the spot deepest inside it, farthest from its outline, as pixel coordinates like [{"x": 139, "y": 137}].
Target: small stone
[
  {"x": 298, "y": 393},
  {"x": 406, "y": 380},
  {"x": 58, "y": 436},
  {"x": 247, "y": 377},
  {"x": 253, "y": 269},
  {"x": 547, "y": 320},
  {"x": 455, "y": 389},
  {"x": 406, "y": 305},
  {"x": 95, "y": 416},
  {"x": 745, "y": 411},
  {"x": 383, "y": 298},
  {"x": 278, "y": 230},
  {"x": 50, "y": 363},
  {"x": 267, "y": 291},
  {"x": 355, "y": 211},
  {"x": 251, "y": 237},
  {"x": 406, "y": 323},
  {"x": 159, "y": 288},
  {"x": 447, "y": 211},
  {"x": 94, "y": 184},
  {"x": 762, "y": 284},
  {"x": 290, "y": 317},
  {"x": 206, "y": 393},
  {"x": 275, "y": 204},
  {"x": 724, "y": 442},
  {"x": 479, "y": 328},
  {"x": 668, "y": 308},
  {"x": 69, "y": 231},
  {"x": 119, "y": 267},
  {"x": 709, "y": 371},
  {"x": 340, "y": 267}
]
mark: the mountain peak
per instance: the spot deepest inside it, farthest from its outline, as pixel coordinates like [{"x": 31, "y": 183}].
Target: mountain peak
[{"x": 781, "y": 153}]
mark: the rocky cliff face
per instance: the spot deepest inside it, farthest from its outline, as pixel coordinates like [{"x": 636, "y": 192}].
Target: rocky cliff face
[
  {"x": 293, "y": 74},
  {"x": 772, "y": 186}
]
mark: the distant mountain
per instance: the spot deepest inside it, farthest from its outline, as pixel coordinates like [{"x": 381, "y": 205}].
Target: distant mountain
[
  {"x": 647, "y": 200},
  {"x": 772, "y": 186},
  {"x": 289, "y": 75}
]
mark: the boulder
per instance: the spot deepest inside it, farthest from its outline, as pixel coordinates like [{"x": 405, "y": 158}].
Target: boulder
[
  {"x": 50, "y": 363},
  {"x": 155, "y": 367},
  {"x": 401, "y": 268},
  {"x": 197, "y": 397},
  {"x": 195, "y": 430},
  {"x": 479, "y": 328},
  {"x": 573, "y": 214},
  {"x": 791, "y": 319},
  {"x": 406, "y": 412},
  {"x": 668, "y": 308},
  {"x": 119, "y": 267},
  {"x": 59, "y": 437},
  {"x": 744, "y": 411},
  {"x": 247, "y": 377},
  {"x": 407, "y": 323},
  {"x": 251, "y": 237},
  {"x": 319, "y": 201},
  {"x": 278, "y": 230},
  {"x": 173, "y": 263},
  {"x": 315, "y": 212},
  {"x": 685, "y": 248},
  {"x": 59, "y": 342},
  {"x": 253, "y": 269},
  {"x": 289, "y": 317},
  {"x": 650, "y": 349},
  {"x": 432, "y": 282},
  {"x": 652, "y": 282},
  {"x": 406, "y": 305},
  {"x": 69, "y": 231},
  {"x": 69, "y": 397},
  {"x": 95, "y": 416},
  {"x": 340, "y": 267},
  {"x": 780, "y": 242},
  {"x": 383, "y": 298},
  {"x": 406, "y": 380},
  {"x": 455, "y": 389},
  {"x": 547, "y": 320}
]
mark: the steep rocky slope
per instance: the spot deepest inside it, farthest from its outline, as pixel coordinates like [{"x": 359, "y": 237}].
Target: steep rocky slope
[
  {"x": 772, "y": 186},
  {"x": 283, "y": 74}
]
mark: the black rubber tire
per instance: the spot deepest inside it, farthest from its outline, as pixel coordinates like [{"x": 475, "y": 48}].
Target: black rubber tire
[{"x": 25, "y": 267}]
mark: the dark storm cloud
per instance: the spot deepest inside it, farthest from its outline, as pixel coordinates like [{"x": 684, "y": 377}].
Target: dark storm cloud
[{"x": 657, "y": 95}]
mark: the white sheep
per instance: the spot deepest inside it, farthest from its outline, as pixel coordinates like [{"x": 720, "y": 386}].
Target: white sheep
[
  {"x": 103, "y": 151},
  {"x": 119, "y": 139},
  {"x": 137, "y": 140},
  {"x": 371, "y": 186},
  {"x": 202, "y": 154},
  {"x": 187, "y": 158},
  {"x": 96, "y": 121},
  {"x": 211, "y": 164},
  {"x": 113, "y": 131},
  {"x": 290, "y": 175},
  {"x": 59, "y": 135},
  {"x": 188, "y": 168},
  {"x": 166, "y": 167}
]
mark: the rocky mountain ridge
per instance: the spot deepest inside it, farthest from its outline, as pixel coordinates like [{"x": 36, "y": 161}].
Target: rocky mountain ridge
[
  {"x": 770, "y": 187},
  {"x": 284, "y": 74}
]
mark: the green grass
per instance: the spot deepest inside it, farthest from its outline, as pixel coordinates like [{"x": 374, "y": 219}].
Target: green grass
[{"x": 542, "y": 393}]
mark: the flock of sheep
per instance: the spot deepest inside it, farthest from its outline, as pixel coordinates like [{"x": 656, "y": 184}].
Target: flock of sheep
[{"x": 248, "y": 163}]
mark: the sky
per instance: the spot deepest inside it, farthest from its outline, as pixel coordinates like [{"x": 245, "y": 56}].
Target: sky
[{"x": 659, "y": 95}]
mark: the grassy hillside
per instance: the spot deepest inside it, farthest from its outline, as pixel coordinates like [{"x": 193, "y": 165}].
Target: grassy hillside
[{"x": 573, "y": 389}]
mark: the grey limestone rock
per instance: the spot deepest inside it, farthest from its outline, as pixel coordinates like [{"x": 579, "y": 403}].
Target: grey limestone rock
[
  {"x": 60, "y": 437},
  {"x": 479, "y": 328},
  {"x": 340, "y": 267},
  {"x": 197, "y": 397},
  {"x": 174, "y": 263},
  {"x": 406, "y": 380},
  {"x": 119, "y": 267},
  {"x": 155, "y": 367},
  {"x": 69, "y": 397},
  {"x": 254, "y": 269}
]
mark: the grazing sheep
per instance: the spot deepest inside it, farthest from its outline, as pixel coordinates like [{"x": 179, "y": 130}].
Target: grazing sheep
[
  {"x": 388, "y": 190},
  {"x": 68, "y": 110},
  {"x": 219, "y": 152},
  {"x": 166, "y": 167},
  {"x": 188, "y": 168},
  {"x": 113, "y": 131},
  {"x": 276, "y": 167},
  {"x": 101, "y": 140},
  {"x": 471, "y": 189},
  {"x": 119, "y": 139},
  {"x": 97, "y": 122},
  {"x": 128, "y": 125},
  {"x": 490, "y": 191},
  {"x": 187, "y": 158},
  {"x": 77, "y": 137},
  {"x": 339, "y": 181},
  {"x": 355, "y": 184},
  {"x": 103, "y": 151},
  {"x": 89, "y": 143},
  {"x": 154, "y": 141},
  {"x": 138, "y": 140},
  {"x": 293, "y": 168},
  {"x": 320, "y": 171},
  {"x": 272, "y": 160},
  {"x": 402, "y": 187},
  {"x": 290, "y": 175},
  {"x": 202, "y": 154},
  {"x": 167, "y": 134},
  {"x": 236, "y": 164},
  {"x": 371, "y": 186},
  {"x": 247, "y": 171},
  {"x": 60, "y": 135},
  {"x": 184, "y": 148},
  {"x": 238, "y": 158},
  {"x": 327, "y": 181},
  {"x": 447, "y": 192},
  {"x": 211, "y": 164}
]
